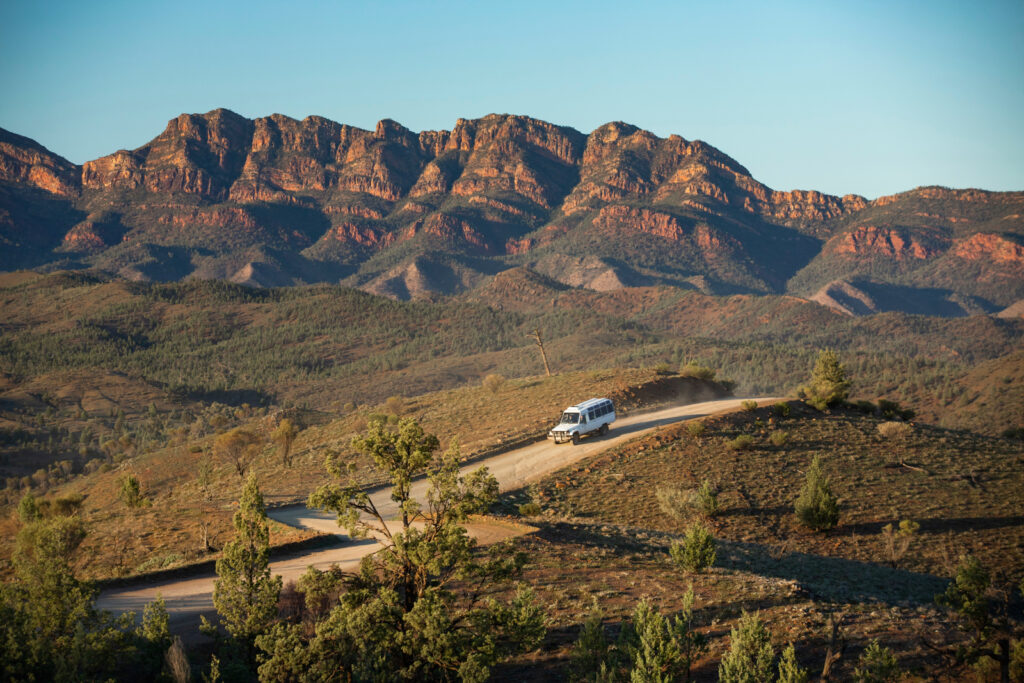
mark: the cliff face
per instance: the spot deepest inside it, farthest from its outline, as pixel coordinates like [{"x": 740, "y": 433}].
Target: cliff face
[{"x": 618, "y": 206}]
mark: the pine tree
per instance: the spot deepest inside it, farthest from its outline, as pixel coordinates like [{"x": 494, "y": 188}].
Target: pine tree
[
  {"x": 829, "y": 382},
  {"x": 816, "y": 507},
  {"x": 245, "y": 594},
  {"x": 750, "y": 657}
]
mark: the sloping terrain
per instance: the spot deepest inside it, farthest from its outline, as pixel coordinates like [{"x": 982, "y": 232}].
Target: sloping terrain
[{"x": 275, "y": 201}]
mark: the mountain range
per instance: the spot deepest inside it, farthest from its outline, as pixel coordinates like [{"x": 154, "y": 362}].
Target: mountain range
[{"x": 274, "y": 201}]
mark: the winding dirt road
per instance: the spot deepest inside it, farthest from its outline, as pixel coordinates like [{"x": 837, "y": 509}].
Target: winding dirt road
[{"x": 187, "y": 598}]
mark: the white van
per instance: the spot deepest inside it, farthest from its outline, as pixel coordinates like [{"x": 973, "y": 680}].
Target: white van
[{"x": 586, "y": 418}]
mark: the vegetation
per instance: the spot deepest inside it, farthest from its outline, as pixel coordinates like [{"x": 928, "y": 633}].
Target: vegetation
[
  {"x": 696, "y": 552},
  {"x": 829, "y": 382},
  {"x": 817, "y": 508},
  {"x": 751, "y": 657},
  {"x": 420, "y": 629},
  {"x": 877, "y": 664},
  {"x": 284, "y": 436}
]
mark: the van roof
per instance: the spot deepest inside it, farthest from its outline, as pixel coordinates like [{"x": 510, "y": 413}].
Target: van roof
[{"x": 590, "y": 403}]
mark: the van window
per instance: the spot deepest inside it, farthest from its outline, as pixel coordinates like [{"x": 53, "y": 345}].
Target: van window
[{"x": 570, "y": 418}]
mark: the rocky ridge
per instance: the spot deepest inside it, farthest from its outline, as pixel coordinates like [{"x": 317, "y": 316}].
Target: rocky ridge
[{"x": 276, "y": 201}]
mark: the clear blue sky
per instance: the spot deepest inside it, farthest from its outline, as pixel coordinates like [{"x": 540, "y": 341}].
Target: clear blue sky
[{"x": 865, "y": 97}]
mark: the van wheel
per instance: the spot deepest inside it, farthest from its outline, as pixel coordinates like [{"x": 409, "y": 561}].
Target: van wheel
[
  {"x": 604, "y": 429},
  {"x": 576, "y": 439}
]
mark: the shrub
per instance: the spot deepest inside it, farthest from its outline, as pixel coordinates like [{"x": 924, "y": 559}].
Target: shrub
[
  {"x": 663, "y": 369},
  {"x": 394, "y": 405},
  {"x": 696, "y": 552},
  {"x": 891, "y": 410},
  {"x": 816, "y": 507},
  {"x": 779, "y": 437},
  {"x": 894, "y": 431},
  {"x": 829, "y": 383},
  {"x": 493, "y": 383},
  {"x": 662, "y": 648},
  {"x": 789, "y": 670},
  {"x": 751, "y": 656},
  {"x": 749, "y": 406},
  {"x": 530, "y": 510},
  {"x": 866, "y": 407},
  {"x": 693, "y": 369},
  {"x": 28, "y": 509},
  {"x": 897, "y": 541},
  {"x": 877, "y": 664},
  {"x": 673, "y": 501},
  {"x": 781, "y": 409},
  {"x": 696, "y": 429},
  {"x": 705, "y": 498},
  {"x": 131, "y": 491},
  {"x": 743, "y": 442}
]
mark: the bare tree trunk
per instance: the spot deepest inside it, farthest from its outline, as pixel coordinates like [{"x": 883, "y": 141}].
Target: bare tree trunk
[{"x": 543, "y": 354}]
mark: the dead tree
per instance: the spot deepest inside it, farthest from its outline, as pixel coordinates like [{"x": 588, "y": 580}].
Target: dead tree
[{"x": 535, "y": 335}]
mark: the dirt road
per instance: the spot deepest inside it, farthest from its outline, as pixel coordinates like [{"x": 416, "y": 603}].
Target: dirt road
[{"x": 188, "y": 598}]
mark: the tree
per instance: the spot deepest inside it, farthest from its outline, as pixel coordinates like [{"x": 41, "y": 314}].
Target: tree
[
  {"x": 750, "y": 658},
  {"x": 697, "y": 551},
  {"x": 816, "y": 507},
  {"x": 829, "y": 383},
  {"x": 131, "y": 491},
  {"x": 663, "y": 649},
  {"x": 538, "y": 339},
  {"x": 28, "y": 509},
  {"x": 238, "y": 447},
  {"x": 284, "y": 436},
  {"x": 877, "y": 664},
  {"x": 245, "y": 594},
  {"x": 400, "y": 618},
  {"x": 789, "y": 670},
  {"x": 982, "y": 616}
]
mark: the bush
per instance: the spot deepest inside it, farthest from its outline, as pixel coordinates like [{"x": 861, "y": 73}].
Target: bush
[
  {"x": 894, "y": 431},
  {"x": 779, "y": 437},
  {"x": 693, "y": 369},
  {"x": 697, "y": 550},
  {"x": 394, "y": 405},
  {"x": 493, "y": 383},
  {"x": 530, "y": 510},
  {"x": 891, "y": 410},
  {"x": 897, "y": 541},
  {"x": 696, "y": 429},
  {"x": 829, "y": 382},
  {"x": 673, "y": 501},
  {"x": 781, "y": 409},
  {"x": 877, "y": 664},
  {"x": 743, "y": 442},
  {"x": 816, "y": 507},
  {"x": 705, "y": 498},
  {"x": 131, "y": 491},
  {"x": 749, "y": 406},
  {"x": 663, "y": 369},
  {"x": 789, "y": 670},
  {"x": 866, "y": 407},
  {"x": 751, "y": 656}
]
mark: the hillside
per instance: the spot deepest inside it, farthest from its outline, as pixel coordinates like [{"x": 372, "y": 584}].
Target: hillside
[{"x": 274, "y": 201}]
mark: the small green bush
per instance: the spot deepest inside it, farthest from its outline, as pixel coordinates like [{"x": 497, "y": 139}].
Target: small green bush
[
  {"x": 895, "y": 431},
  {"x": 530, "y": 510},
  {"x": 751, "y": 656},
  {"x": 749, "y": 406},
  {"x": 693, "y": 369},
  {"x": 877, "y": 664},
  {"x": 663, "y": 369},
  {"x": 779, "y": 437},
  {"x": 696, "y": 429},
  {"x": 494, "y": 382},
  {"x": 673, "y": 501},
  {"x": 696, "y": 552},
  {"x": 743, "y": 442},
  {"x": 816, "y": 507},
  {"x": 781, "y": 409},
  {"x": 705, "y": 498}
]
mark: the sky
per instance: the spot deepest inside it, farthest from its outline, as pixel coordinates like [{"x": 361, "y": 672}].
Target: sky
[{"x": 863, "y": 97}]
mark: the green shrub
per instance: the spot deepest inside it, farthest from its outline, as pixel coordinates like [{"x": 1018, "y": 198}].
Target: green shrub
[
  {"x": 28, "y": 509},
  {"x": 673, "y": 501},
  {"x": 693, "y": 369},
  {"x": 696, "y": 429},
  {"x": 816, "y": 507},
  {"x": 829, "y": 383},
  {"x": 394, "y": 405},
  {"x": 696, "y": 552},
  {"x": 131, "y": 491},
  {"x": 750, "y": 658},
  {"x": 530, "y": 510},
  {"x": 781, "y": 409},
  {"x": 705, "y": 498},
  {"x": 877, "y": 664},
  {"x": 663, "y": 369},
  {"x": 779, "y": 437},
  {"x": 743, "y": 442},
  {"x": 749, "y": 406},
  {"x": 789, "y": 670},
  {"x": 866, "y": 407}
]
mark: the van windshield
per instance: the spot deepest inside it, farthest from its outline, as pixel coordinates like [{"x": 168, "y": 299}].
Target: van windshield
[{"x": 570, "y": 419}]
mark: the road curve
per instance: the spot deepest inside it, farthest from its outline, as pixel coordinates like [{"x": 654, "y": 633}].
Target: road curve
[{"x": 188, "y": 598}]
